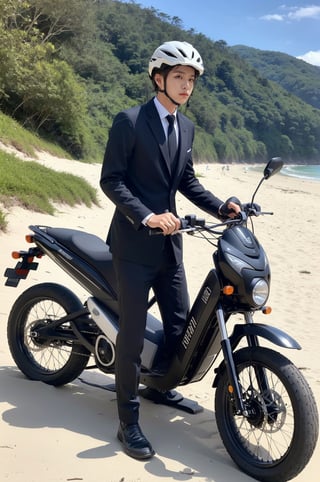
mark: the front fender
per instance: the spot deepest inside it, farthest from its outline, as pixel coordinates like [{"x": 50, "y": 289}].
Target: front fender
[{"x": 270, "y": 333}]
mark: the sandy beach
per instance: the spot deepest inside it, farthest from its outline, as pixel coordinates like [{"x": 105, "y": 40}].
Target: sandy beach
[{"x": 69, "y": 434}]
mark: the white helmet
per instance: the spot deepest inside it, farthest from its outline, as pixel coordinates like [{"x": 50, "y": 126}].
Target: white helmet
[{"x": 176, "y": 53}]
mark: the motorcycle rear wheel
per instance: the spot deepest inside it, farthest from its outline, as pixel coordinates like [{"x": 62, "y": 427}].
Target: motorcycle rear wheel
[
  {"x": 277, "y": 438},
  {"x": 50, "y": 361}
]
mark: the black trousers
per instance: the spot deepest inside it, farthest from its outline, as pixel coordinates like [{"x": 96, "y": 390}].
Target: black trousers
[{"x": 168, "y": 282}]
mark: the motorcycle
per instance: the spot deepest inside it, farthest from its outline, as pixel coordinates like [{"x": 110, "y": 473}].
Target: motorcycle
[{"x": 265, "y": 411}]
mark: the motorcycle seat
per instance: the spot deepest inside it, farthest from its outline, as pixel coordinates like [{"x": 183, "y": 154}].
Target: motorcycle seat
[{"x": 89, "y": 247}]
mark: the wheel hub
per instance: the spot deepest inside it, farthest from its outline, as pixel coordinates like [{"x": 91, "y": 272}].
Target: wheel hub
[
  {"x": 256, "y": 413},
  {"x": 34, "y": 333},
  {"x": 267, "y": 408}
]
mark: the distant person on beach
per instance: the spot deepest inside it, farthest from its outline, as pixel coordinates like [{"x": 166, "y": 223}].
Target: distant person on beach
[{"x": 148, "y": 159}]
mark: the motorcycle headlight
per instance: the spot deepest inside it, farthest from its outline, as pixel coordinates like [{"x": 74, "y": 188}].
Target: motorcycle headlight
[{"x": 260, "y": 292}]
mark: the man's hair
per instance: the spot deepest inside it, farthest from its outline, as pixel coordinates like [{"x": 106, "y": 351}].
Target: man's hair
[{"x": 163, "y": 70}]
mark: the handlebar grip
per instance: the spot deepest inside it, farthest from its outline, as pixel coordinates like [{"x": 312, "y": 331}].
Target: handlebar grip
[
  {"x": 189, "y": 222},
  {"x": 155, "y": 231}
]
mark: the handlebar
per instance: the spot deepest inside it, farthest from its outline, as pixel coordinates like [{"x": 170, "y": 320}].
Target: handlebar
[{"x": 191, "y": 224}]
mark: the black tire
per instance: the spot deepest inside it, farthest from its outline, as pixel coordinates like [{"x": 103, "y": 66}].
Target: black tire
[
  {"x": 54, "y": 363},
  {"x": 277, "y": 439}
]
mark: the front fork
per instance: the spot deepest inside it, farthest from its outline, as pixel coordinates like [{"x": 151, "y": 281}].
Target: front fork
[
  {"x": 234, "y": 387},
  {"x": 252, "y": 340}
]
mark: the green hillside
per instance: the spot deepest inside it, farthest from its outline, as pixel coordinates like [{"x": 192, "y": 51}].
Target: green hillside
[
  {"x": 66, "y": 68},
  {"x": 294, "y": 75}
]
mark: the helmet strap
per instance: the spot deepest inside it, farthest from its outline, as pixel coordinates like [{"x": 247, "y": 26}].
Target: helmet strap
[{"x": 164, "y": 91}]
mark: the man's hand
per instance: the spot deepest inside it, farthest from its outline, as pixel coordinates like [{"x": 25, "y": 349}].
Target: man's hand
[
  {"x": 235, "y": 210},
  {"x": 231, "y": 208},
  {"x": 168, "y": 222}
]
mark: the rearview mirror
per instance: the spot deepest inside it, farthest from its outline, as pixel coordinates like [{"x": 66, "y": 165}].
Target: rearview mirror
[{"x": 273, "y": 166}]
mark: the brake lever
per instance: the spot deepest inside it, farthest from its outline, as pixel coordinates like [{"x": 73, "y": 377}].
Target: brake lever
[
  {"x": 184, "y": 230},
  {"x": 270, "y": 213},
  {"x": 157, "y": 231},
  {"x": 254, "y": 212}
]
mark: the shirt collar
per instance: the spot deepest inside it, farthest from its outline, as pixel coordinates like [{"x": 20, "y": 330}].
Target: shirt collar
[{"x": 163, "y": 112}]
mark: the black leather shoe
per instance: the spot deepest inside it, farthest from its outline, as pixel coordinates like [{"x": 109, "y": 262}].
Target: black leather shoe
[{"x": 134, "y": 442}]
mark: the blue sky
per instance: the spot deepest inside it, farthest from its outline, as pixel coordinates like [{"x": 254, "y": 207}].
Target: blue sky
[{"x": 292, "y": 27}]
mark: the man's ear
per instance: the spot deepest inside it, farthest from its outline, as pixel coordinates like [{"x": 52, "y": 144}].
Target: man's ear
[{"x": 159, "y": 81}]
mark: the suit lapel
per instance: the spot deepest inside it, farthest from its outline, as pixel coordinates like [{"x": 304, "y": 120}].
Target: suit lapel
[
  {"x": 158, "y": 132},
  {"x": 183, "y": 144}
]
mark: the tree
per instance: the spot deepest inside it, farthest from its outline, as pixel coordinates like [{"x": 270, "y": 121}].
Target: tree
[
  {"x": 36, "y": 87},
  {"x": 60, "y": 19}
]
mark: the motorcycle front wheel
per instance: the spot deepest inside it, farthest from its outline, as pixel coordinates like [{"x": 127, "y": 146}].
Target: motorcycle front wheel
[
  {"x": 277, "y": 437},
  {"x": 54, "y": 362}
]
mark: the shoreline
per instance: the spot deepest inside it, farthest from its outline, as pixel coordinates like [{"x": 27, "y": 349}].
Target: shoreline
[{"x": 308, "y": 172}]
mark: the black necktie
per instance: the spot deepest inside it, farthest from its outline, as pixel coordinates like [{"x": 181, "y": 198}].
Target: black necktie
[{"x": 172, "y": 138}]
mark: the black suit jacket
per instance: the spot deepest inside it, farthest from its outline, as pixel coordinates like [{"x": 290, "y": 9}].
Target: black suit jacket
[{"x": 136, "y": 175}]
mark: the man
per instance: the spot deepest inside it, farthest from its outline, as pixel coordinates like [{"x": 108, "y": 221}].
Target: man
[{"x": 148, "y": 159}]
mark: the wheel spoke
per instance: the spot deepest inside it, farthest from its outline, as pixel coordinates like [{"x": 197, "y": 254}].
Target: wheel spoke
[
  {"x": 48, "y": 356},
  {"x": 42, "y": 348},
  {"x": 268, "y": 431},
  {"x": 276, "y": 436}
]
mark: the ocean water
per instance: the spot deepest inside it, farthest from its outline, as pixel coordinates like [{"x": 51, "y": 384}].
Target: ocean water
[{"x": 302, "y": 171}]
